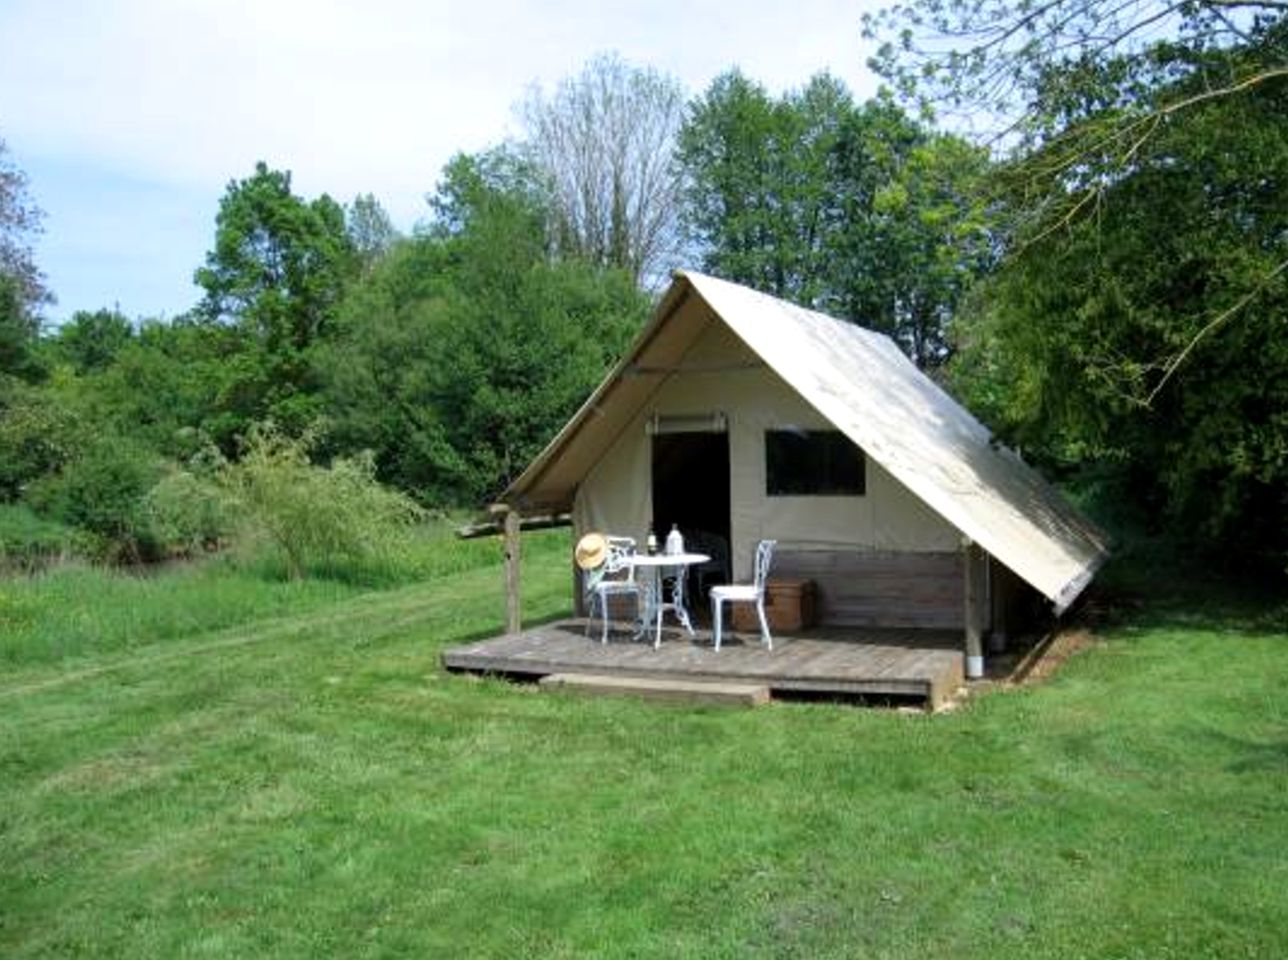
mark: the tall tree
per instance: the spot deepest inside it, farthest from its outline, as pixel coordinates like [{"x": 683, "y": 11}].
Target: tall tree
[
  {"x": 604, "y": 138},
  {"x": 470, "y": 344},
  {"x": 1136, "y": 326},
  {"x": 91, "y": 340},
  {"x": 912, "y": 234},
  {"x": 857, "y": 210},
  {"x": 276, "y": 274},
  {"x": 500, "y": 186},
  {"x": 370, "y": 231},
  {"x": 1078, "y": 91},
  {"x": 756, "y": 179},
  {"x": 1078, "y": 347},
  {"x": 279, "y": 264},
  {"x": 22, "y": 287}
]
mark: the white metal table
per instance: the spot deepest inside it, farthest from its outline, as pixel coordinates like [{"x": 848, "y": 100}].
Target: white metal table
[{"x": 656, "y": 565}]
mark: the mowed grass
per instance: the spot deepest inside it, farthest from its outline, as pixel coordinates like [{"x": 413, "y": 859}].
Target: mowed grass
[{"x": 312, "y": 784}]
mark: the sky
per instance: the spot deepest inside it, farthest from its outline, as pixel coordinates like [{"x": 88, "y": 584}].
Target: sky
[{"x": 131, "y": 117}]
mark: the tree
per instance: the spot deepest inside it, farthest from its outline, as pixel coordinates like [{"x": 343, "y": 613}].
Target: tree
[
  {"x": 319, "y": 518},
  {"x": 913, "y": 235},
  {"x": 102, "y": 490},
  {"x": 856, "y": 210},
  {"x": 91, "y": 340},
  {"x": 1071, "y": 347},
  {"x": 1033, "y": 67},
  {"x": 19, "y": 330},
  {"x": 1078, "y": 89},
  {"x": 276, "y": 275},
  {"x": 370, "y": 231},
  {"x": 470, "y": 344},
  {"x": 39, "y": 434},
  {"x": 604, "y": 140},
  {"x": 756, "y": 182},
  {"x": 499, "y": 188},
  {"x": 22, "y": 287},
  {"x": 1135, "y": 327},
  {"x": 279, "y": 264},
  {"x": 174, "y": 385}
]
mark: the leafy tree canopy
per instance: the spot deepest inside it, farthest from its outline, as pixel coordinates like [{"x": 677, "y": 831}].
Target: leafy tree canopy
[
  {"x": 1036, "y": 66},
  {"x": 1075, "y": 347},
  {"x": 276, "y": 275},
  {"x": 91, "y": 340},
  {"x": 856, "y": 210},
  {"x": 1137, "y": 326},
  {"x": 472, "y": 343},
  {"x": 370, "y": 231},
  {"x": 279, "y": 264}
]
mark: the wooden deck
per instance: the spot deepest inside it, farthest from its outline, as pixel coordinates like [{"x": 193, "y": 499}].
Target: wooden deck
[{"x": 922, "y": 664}]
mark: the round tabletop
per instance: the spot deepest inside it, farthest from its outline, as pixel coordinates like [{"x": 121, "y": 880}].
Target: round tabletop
[{"x": 668, "y": 559}]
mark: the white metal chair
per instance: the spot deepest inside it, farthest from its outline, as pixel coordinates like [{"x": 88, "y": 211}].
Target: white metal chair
[
  {"x": 615, "y": 578},
  {"x": 746, "y": 593}
]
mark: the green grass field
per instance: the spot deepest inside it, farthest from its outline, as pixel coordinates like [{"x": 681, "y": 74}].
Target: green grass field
[{"x": 285, "y": 771}]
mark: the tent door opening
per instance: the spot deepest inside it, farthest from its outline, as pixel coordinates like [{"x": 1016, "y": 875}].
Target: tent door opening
[{"x": 691, "y": 490}]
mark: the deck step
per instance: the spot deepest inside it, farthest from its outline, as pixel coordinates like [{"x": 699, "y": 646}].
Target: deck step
[{"x": 650, "y": 688}]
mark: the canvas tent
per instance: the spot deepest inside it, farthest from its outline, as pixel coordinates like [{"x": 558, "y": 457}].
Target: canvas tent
[{"x": 726, "y": 385}]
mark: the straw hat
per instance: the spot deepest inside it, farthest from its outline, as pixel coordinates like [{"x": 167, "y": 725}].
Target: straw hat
[{"x": 592, "y": 551}]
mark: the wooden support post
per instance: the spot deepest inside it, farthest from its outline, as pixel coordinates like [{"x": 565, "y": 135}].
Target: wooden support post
[
  {"x": 975, "y": 574},
  {"x": 513, "y": 599}
]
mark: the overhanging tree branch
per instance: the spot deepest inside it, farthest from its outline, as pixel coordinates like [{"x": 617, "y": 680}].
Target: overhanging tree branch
[{"x": 1209, "y": 328}]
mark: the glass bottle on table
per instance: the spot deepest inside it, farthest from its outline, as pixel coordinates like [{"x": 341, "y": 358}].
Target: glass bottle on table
[
  {"x": 651, "y": 542},
  {"x": 674, "y": 541}
]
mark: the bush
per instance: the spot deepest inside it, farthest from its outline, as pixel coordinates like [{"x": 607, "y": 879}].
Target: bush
[
  {"x": 102, "y": 491},
  {"x": 38, "y": 436},
  {"x": 189, "y": 513},
  {"x": 27, "y": 540},
  {"x": 328, "y": 520}
]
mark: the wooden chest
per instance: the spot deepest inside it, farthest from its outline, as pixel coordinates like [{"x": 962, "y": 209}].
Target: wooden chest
[{"x": 789, "y": 606}]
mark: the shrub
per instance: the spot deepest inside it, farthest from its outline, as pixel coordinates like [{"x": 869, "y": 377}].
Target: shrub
[
  {"x": 38, "y": 436},
  {"x": 102, "y": 492},
  {"x": 188, "y": 512},
  {"x": 28, "y": 540},
  {"x": 316, "y": 518}
]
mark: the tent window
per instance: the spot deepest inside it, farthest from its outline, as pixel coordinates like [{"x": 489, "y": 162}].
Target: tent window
[{"x": 821, "y": 463}]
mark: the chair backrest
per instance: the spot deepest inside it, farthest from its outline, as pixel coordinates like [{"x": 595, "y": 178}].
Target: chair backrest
[
  {"x": 620, "y": 551},
  {"x": 764, "y": 557},
  {"x": 616, "y": 559}
]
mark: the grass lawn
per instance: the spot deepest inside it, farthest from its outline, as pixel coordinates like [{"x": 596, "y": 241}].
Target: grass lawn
[{"x": 298, "y": 778}]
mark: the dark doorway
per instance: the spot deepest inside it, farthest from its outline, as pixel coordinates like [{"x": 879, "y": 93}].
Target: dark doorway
[{"x": 691, "y": 490}]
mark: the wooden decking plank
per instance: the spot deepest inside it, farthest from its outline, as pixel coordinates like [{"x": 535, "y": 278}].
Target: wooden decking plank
[
  {"x": 893, "y": 662},
  {"x": 827, "y": 661},
  {"x": 874, "y": 661},
  {"x": 668, "y": 689}
]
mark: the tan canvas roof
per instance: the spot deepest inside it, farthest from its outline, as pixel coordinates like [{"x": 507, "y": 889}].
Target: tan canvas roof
[{"x": 866, "y": 387}]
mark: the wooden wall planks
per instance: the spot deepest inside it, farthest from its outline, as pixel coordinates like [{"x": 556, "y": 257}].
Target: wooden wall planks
[{"x": 869, "y": 588}]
